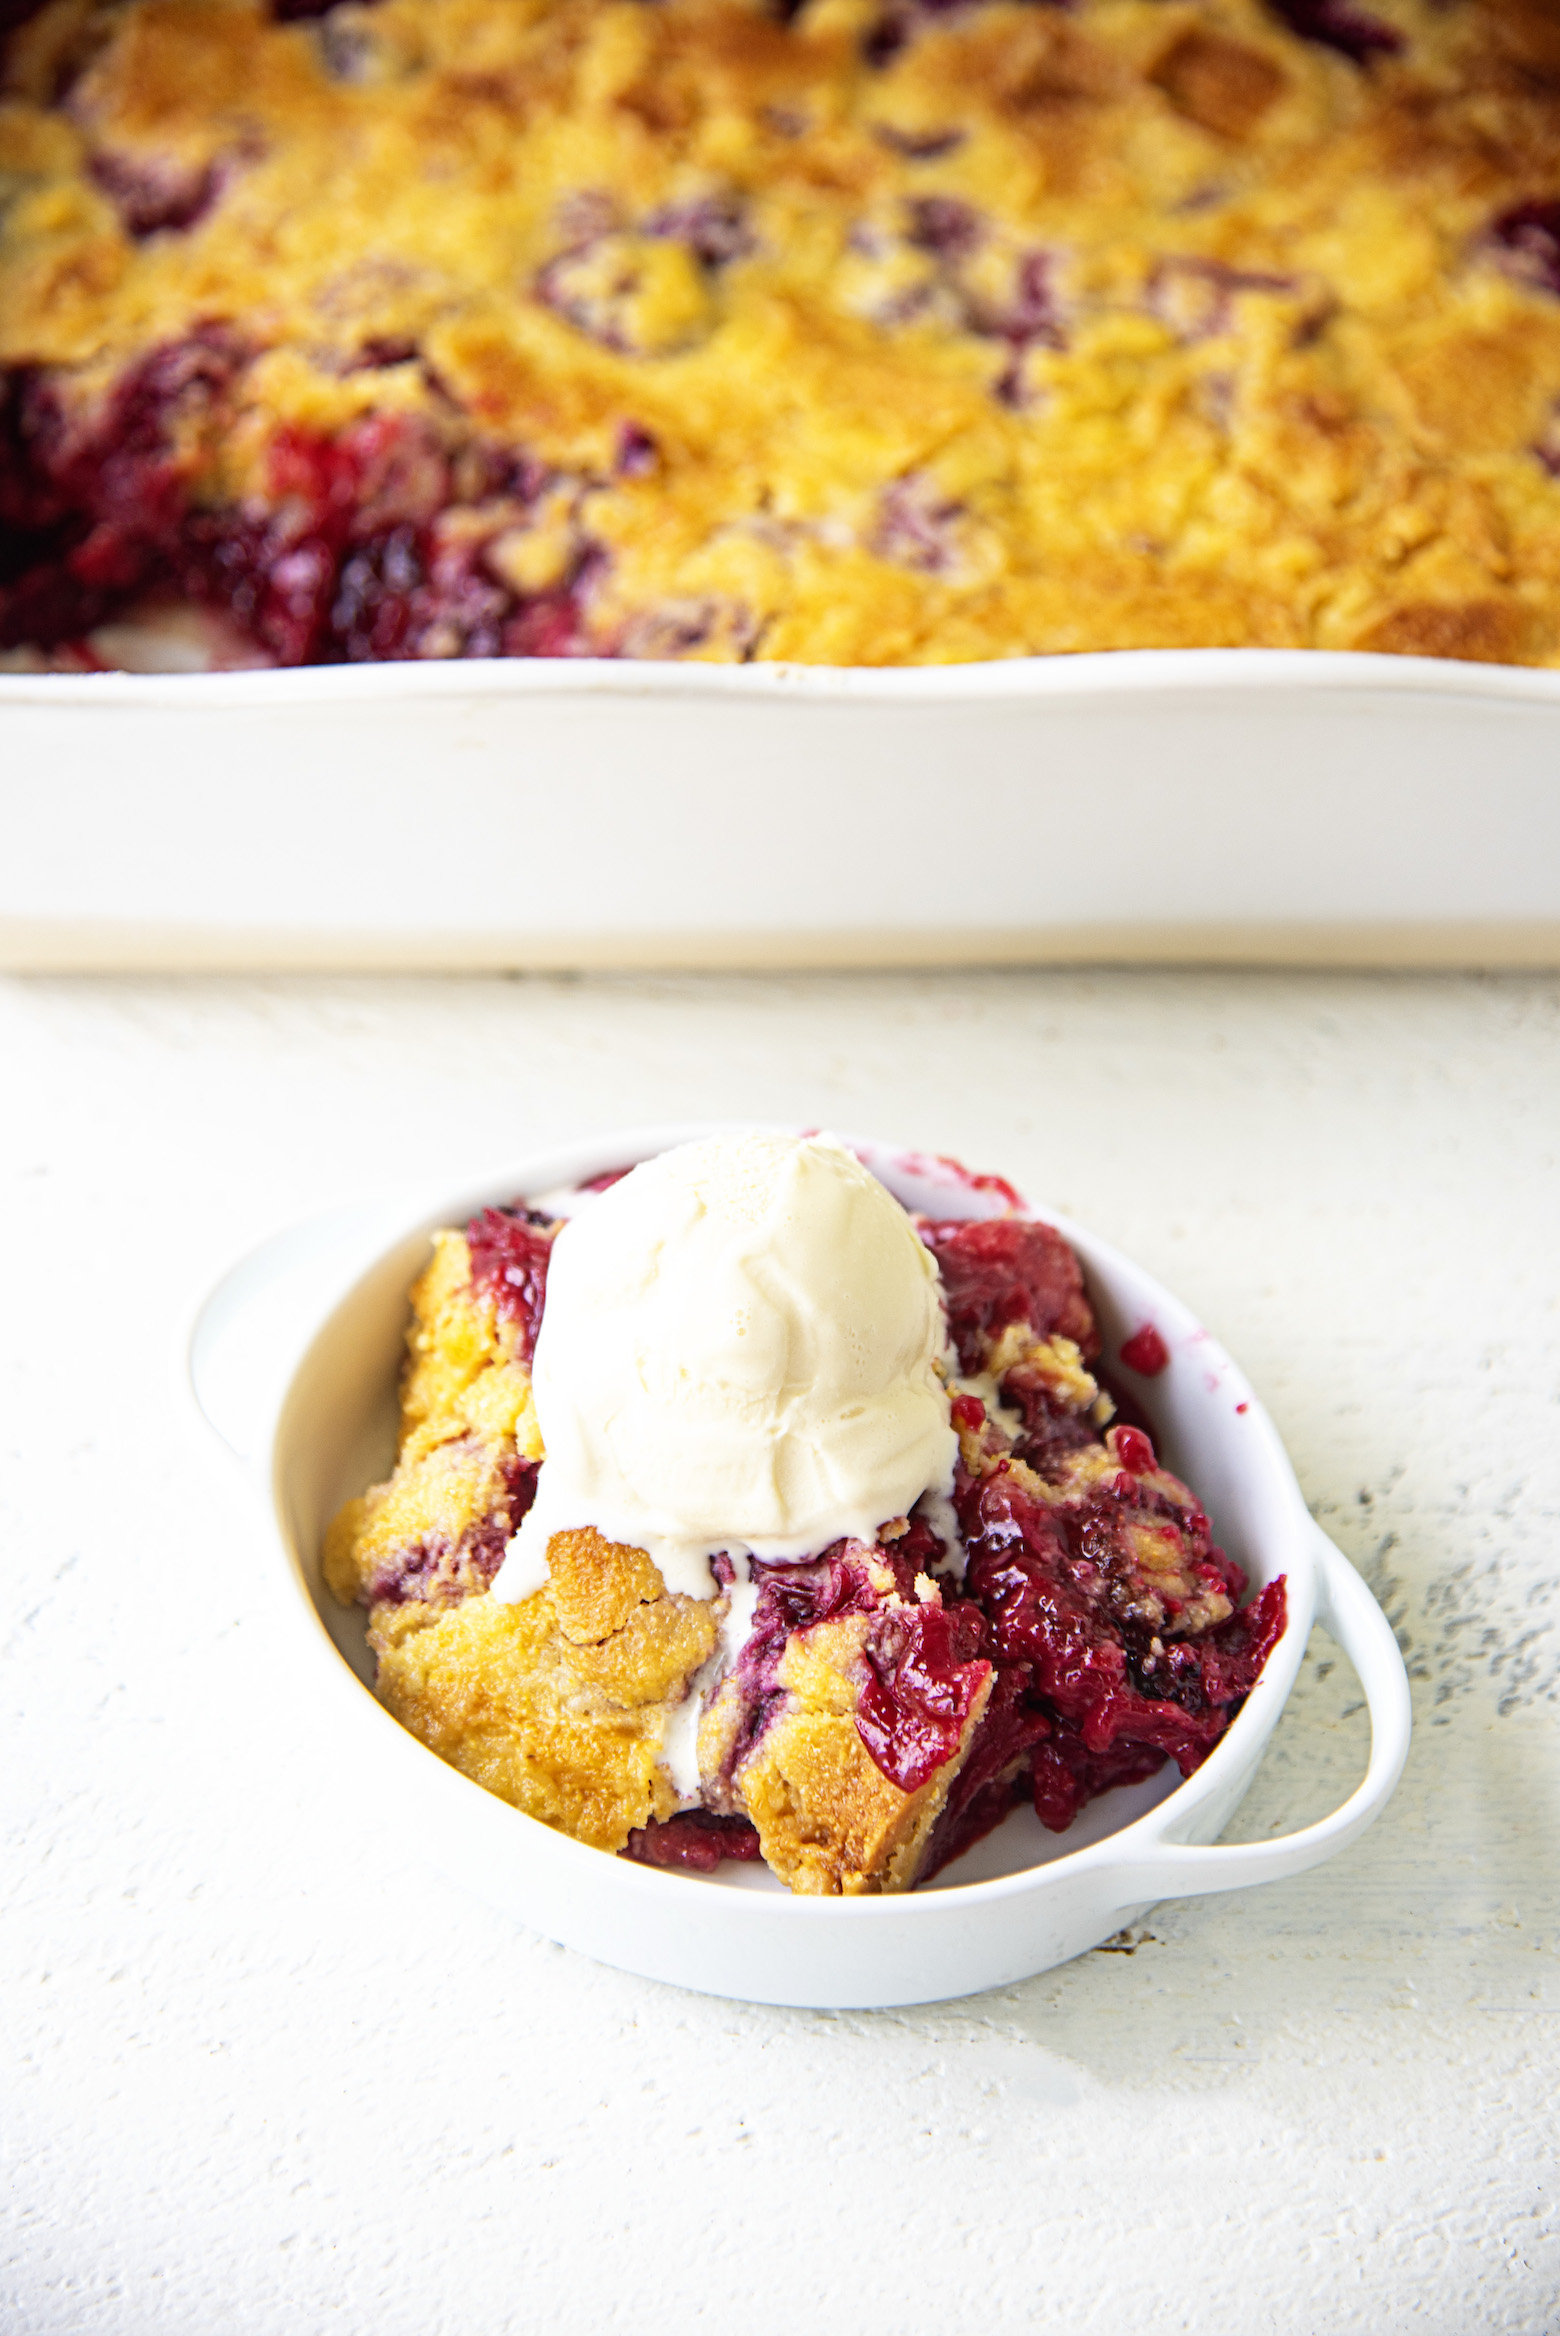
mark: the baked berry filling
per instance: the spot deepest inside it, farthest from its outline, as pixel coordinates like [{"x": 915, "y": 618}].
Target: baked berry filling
[
  {"x": 510, "y": 1249},
  {"x": 433, "y": 1570},
  {"x": 394, "y": 538},
  {"x": 152, "y": 198},
  {"x": 694, "y": 1842},
  {"x": 1528, "y": 239},
  {"x": 1003, "y": 1270},
  {"x": 924, "y": 1663},
  {"x": 924, "y": 1671},
  {"x": 1340, "y": 25},
  {"x": 1050, "y": 1582}
]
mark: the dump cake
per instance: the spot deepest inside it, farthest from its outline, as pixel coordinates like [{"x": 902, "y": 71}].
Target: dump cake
[
  {"x": 848, "y": 331},
  {"x": 739, "y": 1513}
]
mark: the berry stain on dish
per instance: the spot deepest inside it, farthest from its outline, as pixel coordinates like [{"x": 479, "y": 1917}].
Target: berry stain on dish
[{"x": 738, "y": 1512}]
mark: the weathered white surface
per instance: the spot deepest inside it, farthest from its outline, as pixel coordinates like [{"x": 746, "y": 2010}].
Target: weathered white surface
[{"x": 264, "y": 2081}]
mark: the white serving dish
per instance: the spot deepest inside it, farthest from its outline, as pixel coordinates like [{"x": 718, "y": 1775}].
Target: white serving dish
[
  {"x": 294, "y": 1360},
  {"x": 1287, "y": 807}
]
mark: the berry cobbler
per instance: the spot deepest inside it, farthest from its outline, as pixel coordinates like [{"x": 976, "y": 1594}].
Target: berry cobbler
[
  {"x": 738, "y": 1513},
  {"x": 847, "y": 331}
]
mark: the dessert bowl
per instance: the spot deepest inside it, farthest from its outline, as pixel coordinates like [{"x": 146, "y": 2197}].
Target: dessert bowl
[{"x": 294, "y": 1361}]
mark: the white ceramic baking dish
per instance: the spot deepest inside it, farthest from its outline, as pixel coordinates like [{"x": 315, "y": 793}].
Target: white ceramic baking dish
[
  {"x": 294, "y": 1360},
  {"x": 1236, "y": 805}
]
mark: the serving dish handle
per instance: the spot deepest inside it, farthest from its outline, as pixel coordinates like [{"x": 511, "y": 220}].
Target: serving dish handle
[
  {"x": 1174, "y": 1869},
  {"x": 242, "y": 1343}
]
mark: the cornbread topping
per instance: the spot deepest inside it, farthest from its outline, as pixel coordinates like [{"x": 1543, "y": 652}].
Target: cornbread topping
[{"x": 855, "y": 331}]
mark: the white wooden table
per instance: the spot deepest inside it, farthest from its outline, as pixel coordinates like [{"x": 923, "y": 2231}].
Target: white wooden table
[{"x": 262, "y": 2083}]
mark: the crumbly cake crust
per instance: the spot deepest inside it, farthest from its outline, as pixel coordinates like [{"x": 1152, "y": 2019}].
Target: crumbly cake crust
[
  {"x": 861, "y": 331},
  {"x": 829, "y": 1821},
  {"x": 559, "y": 1705},
  {"x": 570, "y": 1733}
]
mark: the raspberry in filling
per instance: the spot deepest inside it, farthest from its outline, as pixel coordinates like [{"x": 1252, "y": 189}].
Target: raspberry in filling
[
  {"x": 509, "y": 1253},
  {"x": 864, "y": 1716},
  {"x": 924, "y": 1671},
  {"x": 923, "y": 1665},
  {"x": 1003, "y": 1271},
  {"x": 1145, "y": 1352}
]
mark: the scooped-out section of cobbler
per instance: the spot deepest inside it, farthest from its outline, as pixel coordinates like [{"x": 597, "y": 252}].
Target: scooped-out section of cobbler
[
  {"x": 860, "y": 332},
  {"x": 1049, "y": 1621}
]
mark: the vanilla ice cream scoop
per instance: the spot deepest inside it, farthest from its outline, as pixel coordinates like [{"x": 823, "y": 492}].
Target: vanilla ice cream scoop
[{"x": 736, "y": 1354}]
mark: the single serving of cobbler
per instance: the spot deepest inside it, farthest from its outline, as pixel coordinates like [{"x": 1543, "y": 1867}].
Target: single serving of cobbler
[
  {"x": 739, "y": 1513},
  {"x": 864, "y": 332}
]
